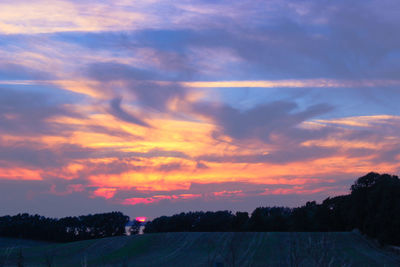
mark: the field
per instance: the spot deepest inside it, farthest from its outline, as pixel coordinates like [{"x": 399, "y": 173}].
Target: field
[{"x": 202, "y": 249}]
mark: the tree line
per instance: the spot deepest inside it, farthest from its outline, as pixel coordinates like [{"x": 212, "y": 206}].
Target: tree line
[
  {"x": 373, "y": 207},
  {"x": 65, "y": 229}
]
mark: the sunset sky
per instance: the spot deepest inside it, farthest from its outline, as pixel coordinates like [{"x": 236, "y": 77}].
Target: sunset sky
[{"x": 156, "y": 107}]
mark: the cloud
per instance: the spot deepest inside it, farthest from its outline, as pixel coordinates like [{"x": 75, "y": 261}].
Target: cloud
[
  {"x": 113, "y": 71},
  {"x": 143, "y": 86},
  {"x": 294, "y": 83},
  {"x": 28, "y": 113},
  {"x": 156, "y": 96},
  {"x": 265, "y": 121},
  {"x": 229, "y": 194},
  {"x": 57, "y": 16},
  {"x": 106, "y": 193},
  {"x": 152, "y": 153},
  {"x": 68, "y": 190},
  {"x": 10, "y": 172},
  {"x": 201, "y": 165},
  {"x": 12, "y": 71},
  {"x": 117, "y": 111},
  {"x": 36, "y": 155},
  {"x": 277, "y": 40},
  {"x": 281, "y": 156},
  {"x": 158, "y": 198},
  {"x": 169, "y": 167}
]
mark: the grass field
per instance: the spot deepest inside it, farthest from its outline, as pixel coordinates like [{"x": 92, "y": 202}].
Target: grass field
[
  {"x": 13, "y": 242},
  {"x": 202, "y": 249}
]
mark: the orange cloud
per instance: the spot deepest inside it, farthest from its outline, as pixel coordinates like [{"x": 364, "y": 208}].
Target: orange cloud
[
  {"x": 15, "y": 173},
  {"x": 107, "y": 193},
  {"x": 166, "y": 156}
]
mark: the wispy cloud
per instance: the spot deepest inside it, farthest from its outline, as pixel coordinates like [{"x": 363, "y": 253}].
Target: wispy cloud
[{"x": 60, "y": 16}]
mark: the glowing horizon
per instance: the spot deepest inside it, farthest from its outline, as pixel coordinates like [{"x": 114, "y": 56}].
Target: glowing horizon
[{"x": 141, "y": 219}]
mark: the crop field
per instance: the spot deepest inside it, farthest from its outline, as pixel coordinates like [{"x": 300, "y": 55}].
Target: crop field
[
  {"x": 203, "y": 249},
  {"x": 13, "y": 242}
]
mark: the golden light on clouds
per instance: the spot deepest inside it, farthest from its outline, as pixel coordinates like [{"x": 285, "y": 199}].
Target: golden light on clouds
[{"x": 13, "y": 173}]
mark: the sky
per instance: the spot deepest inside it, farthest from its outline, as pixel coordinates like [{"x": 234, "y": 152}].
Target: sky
[{"x": 158, "y": 107}]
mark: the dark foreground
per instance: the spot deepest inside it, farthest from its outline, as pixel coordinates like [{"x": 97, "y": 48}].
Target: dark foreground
[{"x": 203, "y": 249}]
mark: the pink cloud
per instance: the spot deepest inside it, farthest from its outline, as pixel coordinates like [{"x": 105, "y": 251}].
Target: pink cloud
[
  {"x": 138, "y": 200},
  {"x": 189, "y": 196},
  {"x": 158, "y": 198},
  {"x": 107, "y": 193},
  {"x": 228, "y": 193},
  {"x": 296, "y": 190}
]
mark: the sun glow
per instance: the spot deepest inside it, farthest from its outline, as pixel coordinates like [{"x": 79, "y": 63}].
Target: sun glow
[{"x": 141, "y": 219}]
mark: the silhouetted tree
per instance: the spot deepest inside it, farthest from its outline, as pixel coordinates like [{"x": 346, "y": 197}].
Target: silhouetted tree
[
  {"x": 240, "y": 221},
  {"x": 65, "y": 229},
  {"x": 373, "y": 207},
  {"x": 269, "y": 219}
]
